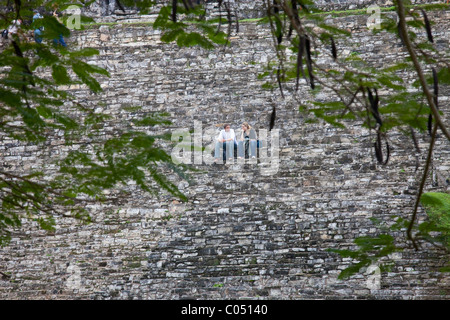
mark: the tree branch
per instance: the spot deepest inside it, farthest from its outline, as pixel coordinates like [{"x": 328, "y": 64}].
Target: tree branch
[{"x": 409, "y": 46}]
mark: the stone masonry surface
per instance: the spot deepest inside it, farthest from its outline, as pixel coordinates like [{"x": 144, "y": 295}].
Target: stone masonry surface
[{"x": 241, "y": 234}]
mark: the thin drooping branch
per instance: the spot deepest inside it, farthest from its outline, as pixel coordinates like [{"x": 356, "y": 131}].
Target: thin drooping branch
[
  {"x": 409, "y": 46},
  {"x": 431, "y": 102},
  {"x": 421, "y": 187}
]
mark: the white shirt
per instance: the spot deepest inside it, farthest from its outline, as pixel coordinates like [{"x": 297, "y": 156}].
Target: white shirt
[
  {"x": 223, "y": 135},
  {"x": 14, "y": 27}
]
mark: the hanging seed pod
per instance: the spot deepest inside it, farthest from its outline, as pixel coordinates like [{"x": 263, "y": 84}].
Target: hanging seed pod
[
  {"x": 289, "y": 35},
  {"x": 435, "y": 87},
  {"x": 120, "y": 6},
  {"x": 374, "y": 101},
  {"x": 276, "y": 7},
  {"x": 279, "y": 82},
  {"x": 278, "y": 24},
  {"x": 416, "y": 143},
  {"x": 378, "y": 151},
  {"x": 272, "y": 118},
  {"x": 430, "y": 122},
  {"x": 309, "y": 62},
  {"x": 400, "y": 34},
  {"x": 333, "y": 49},
  {"x": 435, "y": 99},
  {"x": 427, "y": 26},
  {"x": 308, "y": 48},
  {"x": 388, "y": 153},
  {"x": 237, "y": 21}
]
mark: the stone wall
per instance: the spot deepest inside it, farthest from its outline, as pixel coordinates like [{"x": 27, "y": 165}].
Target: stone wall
[
  {"x": 244, "y": 9},
  {"x": 242, "y": 234}
]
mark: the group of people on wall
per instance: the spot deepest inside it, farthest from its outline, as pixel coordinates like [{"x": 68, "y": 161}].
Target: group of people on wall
[
  {"x": 245, "y": 145},
  {"x": 14, "y": 28}
]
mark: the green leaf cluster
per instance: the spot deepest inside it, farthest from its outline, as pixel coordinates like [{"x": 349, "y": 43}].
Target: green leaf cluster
[
  {"x": 37, "y": 108},
  {"x": 190, "y": 29},
  {"x": 370, "y": 249},
  {"x": 437, "y": 207},
  {"x": 435, "y": 229}
]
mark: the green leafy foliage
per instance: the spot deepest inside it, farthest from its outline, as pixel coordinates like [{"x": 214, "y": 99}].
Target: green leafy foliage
[
  {"x": 370, "y": 250},
  {"x": 437, "y": 207},
  {"x": 35, "y": 108},
  {"x": 436, "y": 230}
]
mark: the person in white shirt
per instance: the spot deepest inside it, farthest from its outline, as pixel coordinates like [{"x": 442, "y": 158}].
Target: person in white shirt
[
  {"x": 14, "y": 27},
  {"x": 226, "y": 139}
]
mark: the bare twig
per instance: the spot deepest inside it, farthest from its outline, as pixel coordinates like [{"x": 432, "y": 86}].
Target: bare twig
[
  {"x": 409, "y": 46},
  {"x": 422, "y": 184}
]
